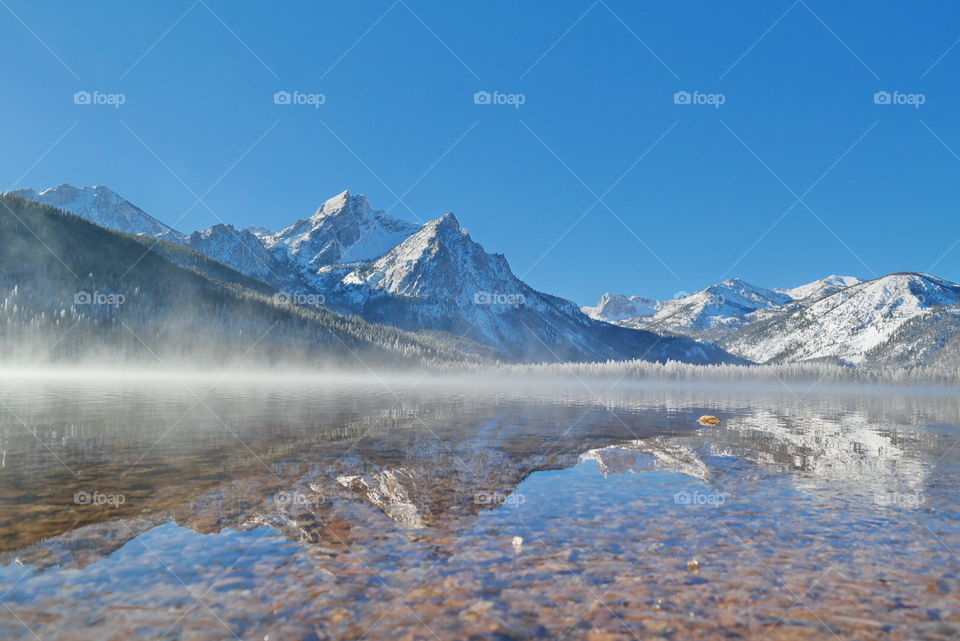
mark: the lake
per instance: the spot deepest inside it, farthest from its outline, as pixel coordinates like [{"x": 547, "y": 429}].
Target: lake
[{"x": 405, "y": 508}]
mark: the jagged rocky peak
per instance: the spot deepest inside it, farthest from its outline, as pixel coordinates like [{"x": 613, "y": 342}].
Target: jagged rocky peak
[
  {"x": 439, "y": 260},
  {"x": 219, "y": 229},
  {"x": 447, "y": 227},
  {"x": 741, "y": 289},
  {"x": 244, "y": 251},
  {"x": 721, "y": 303},
  {"x": 344, "y": 202},
  {"x": 344, "y": 229},
  {"x": 614, "y": 307}
]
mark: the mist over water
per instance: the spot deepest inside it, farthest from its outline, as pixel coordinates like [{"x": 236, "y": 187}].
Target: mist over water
[{"x": 179, "y": 504}]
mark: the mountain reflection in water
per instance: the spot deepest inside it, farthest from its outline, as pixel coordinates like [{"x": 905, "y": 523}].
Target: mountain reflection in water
[{"x": 340, "y": 511}]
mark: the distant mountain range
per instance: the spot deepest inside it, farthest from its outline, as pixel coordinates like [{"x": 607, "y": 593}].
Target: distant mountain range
[
  {"x": 435, "y": 280},
  {"x": 900, "y": 320},
  {"x": 432, "y": 279}
]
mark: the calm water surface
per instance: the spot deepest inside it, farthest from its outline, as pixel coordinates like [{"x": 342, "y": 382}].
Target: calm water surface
[{"x": 330, "y": 511}]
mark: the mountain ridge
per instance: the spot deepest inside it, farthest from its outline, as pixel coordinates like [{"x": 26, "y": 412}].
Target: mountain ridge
[
  {"x": 63, "y": 298},
  {"x": 436, "y": 279}
]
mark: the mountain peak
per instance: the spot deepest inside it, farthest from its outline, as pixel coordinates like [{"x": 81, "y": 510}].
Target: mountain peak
[
  {"x": 615, "y": 307},
  {"x": 345, "y": 229},
  {"x": 730, "y": 283},
  {"x": 345, "y": 203},
  {"x": 103, "y": 206},
  {"x": 447, "y": 222},
  {"x": 440, "y": 252},
  {"x": 822, "y": 287}
]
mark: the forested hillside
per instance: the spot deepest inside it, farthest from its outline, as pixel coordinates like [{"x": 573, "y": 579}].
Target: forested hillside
[{"x": 72, "y": 290}]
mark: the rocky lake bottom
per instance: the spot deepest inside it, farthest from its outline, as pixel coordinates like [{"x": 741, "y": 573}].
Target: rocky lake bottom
[{"x": 137, "y": 510}]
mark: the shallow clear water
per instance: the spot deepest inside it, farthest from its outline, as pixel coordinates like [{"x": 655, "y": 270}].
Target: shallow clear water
[{"x": 325, "y": 511}]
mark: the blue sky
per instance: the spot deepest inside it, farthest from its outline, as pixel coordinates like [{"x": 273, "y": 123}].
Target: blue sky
[{"x": 797, "y": 175}]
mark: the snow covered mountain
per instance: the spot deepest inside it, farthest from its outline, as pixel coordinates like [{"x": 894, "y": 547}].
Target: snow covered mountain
[
  {"x": 616, "y": 307},
  {"x": 133, "y": 297},
  {"x": 877, "y": 321},
  {"x": 723, "y": 304},
  {"x": 430, "y": 278},
  {"x": 820, "y": 288},
  {"x": 434, "y": 277},
  {"x": 901, "y": 320},
  {"x": 344, "y": 230},
  {"x": 103, "y": 206},
  {"x": 245, "y": 252},
  {"x": 712, "y": 312},
  {"x": 441, "y": 279}
]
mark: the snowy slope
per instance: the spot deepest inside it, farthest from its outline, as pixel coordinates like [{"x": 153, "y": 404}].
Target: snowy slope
[
  {"x": 930, "y": 339},
  {"x": 714, "y": 312},
  {"x": 440, "y": 279},
  {"x": 242, "y": 250},
  {"x": 724, "y": 304},
  {"x": 849, "y": 325},
  {"x": 103, "y": 206},
  {"x": 616, "y": 307},
  {"x": 820, "y": 288},
  {"x": 344, "y": 229}
]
